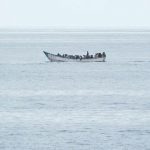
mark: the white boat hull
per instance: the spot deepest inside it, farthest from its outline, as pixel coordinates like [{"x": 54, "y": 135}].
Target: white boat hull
[{"x": 55, "y": 58}]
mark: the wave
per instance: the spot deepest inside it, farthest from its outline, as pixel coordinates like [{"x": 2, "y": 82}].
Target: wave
[{"x": 30, "y": 93}]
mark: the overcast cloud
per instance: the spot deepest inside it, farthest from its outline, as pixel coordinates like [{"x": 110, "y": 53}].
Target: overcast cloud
[{"x": 75, "y": 13}]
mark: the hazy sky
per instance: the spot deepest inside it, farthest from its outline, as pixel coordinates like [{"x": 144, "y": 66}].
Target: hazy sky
[{"x": 75, "y": 13}]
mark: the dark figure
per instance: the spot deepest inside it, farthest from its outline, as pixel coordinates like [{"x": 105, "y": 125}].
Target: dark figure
[
  {"x": 87, "y": 55},
  {"x": 77, "y": 56},
  {"x": 99, "y": 55},
  {"x": 103, "y": 54},
  {"x": 80, "y": 58}
]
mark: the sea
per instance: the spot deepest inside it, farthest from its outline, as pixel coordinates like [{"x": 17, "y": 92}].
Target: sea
[{"x": 73, "y": 105}]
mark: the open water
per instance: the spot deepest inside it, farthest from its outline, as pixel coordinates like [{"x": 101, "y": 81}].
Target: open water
[{"x": 74, "y": 106}]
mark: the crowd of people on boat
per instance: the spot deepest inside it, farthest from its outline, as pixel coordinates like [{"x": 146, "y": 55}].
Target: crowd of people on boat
[{"x": 87, "y": 56}]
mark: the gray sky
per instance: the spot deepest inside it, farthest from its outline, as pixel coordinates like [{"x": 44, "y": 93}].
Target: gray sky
[{"x": 75, "y": 13}]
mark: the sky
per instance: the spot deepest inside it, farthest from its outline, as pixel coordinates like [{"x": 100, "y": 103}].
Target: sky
[{"x": 75, "y": 13}]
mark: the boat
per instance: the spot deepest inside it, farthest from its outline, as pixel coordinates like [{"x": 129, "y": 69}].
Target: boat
[{"x": 75, "y": 58}]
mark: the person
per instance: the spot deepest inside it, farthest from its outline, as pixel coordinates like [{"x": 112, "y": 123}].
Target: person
[
  {"x": 96, "y": 55},
  {"x": 80, "y": 58},
  {"x": 87, "y": 55},
  {"x": 99, "y": 55},
  {"x": 103, "y": 54}
]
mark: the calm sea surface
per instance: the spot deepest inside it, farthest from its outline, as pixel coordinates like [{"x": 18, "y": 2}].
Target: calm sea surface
[{"x": 74, "y": 106}]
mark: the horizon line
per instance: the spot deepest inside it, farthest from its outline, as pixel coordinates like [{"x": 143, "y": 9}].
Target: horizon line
[{"x": 74, "y": 29}]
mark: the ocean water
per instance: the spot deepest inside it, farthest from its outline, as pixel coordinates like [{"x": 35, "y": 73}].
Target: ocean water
[{"x": 74, "y": 106}]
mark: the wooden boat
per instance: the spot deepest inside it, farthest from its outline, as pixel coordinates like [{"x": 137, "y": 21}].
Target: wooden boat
[{"x": 71, "y": 58}]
